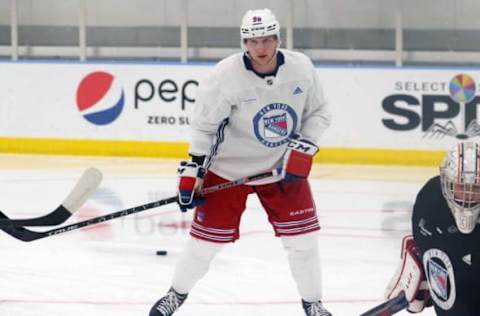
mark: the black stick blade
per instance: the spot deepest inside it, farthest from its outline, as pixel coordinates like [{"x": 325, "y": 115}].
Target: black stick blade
[
  {"x": 56, "y": 217},
  {"x": 20, "y": 233}
]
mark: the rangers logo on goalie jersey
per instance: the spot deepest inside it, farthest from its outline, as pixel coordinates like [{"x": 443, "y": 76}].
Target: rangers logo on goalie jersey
[{"x": 440, "y": 277}]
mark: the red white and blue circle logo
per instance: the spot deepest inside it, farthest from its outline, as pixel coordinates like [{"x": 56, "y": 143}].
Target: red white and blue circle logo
[
  {"x": 100, "y": 98},
  {"x": 274, "y": 124}
]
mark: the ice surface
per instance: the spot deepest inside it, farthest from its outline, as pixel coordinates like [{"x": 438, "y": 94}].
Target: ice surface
[{"x": 112, "y": 268}]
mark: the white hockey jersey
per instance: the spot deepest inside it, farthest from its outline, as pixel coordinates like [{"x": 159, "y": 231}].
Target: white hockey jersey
[{"x": 241, "y": 121}]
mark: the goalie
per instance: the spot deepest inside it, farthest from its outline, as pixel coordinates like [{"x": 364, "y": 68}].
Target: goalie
[{"x": 440, "y": 263}]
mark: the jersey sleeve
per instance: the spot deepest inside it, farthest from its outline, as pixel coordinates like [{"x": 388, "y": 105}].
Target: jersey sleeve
[
  {"x": 211, "y": 108},
  {"x": 316, "y": 116}
]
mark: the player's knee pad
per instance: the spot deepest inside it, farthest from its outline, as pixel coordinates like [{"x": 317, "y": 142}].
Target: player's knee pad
[
  {"x": 301, "y": 243},
  {"x": 203, "y": 250},
  {"x": 194, "y": 263},
  {"x": 303, "y": 257}
]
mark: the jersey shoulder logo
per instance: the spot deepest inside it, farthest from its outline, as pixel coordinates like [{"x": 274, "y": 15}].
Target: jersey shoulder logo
[
  {"x": 274, "y": 123},
  {"x": 467, "y": 259},
  {"x": 298, "y": 90},
  {"x": 452, "y": 229}
]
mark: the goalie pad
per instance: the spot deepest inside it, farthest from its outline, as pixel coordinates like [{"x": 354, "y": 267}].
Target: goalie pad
[{"x": 410, "y": 278}]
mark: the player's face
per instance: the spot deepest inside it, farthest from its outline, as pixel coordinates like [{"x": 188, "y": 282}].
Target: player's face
[
  {"x": 262, "y": 49},
  {"x": 467, "y": 193}
]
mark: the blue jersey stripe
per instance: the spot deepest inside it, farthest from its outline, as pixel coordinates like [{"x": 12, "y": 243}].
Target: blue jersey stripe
[{"x": 219, "y": 138}]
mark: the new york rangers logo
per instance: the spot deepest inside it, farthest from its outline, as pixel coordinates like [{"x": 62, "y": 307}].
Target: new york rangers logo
[
  {"x": 100, "y": 99},
  {"x": 439, "y": 279},
  {"x": 274, "y": 123}
]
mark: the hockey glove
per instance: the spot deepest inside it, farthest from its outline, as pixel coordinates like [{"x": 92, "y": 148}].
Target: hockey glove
[
  {"x": 410, "y": 278},
  {"x": 190, "y": 178},
  {"x": 298, "y": 158}
]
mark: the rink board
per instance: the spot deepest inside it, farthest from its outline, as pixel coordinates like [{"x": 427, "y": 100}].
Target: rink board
[
  {"x": 179, "y": 150},
  {"x": 380, "y": 115}
]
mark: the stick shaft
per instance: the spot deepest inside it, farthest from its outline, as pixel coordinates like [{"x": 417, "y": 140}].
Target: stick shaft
[
  {"x": 24, "y": 234},
  {"x": 388, "y": 308}
]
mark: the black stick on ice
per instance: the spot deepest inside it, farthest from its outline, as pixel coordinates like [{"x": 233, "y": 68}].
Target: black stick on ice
[
  {"x": 24, "y": 234},
  {"x": 86, "y": 185}
]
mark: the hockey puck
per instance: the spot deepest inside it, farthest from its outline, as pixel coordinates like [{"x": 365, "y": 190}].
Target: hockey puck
[{"x": 162, "y": 252}]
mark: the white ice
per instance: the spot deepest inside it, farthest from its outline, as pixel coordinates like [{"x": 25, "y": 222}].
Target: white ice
[{"x": 113, "y": 269}]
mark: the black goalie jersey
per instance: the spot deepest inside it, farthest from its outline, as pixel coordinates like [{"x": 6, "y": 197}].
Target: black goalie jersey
[{"x": 451, "y": 259}]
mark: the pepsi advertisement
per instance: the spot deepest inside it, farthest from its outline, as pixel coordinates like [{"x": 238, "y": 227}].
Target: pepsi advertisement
[
  {"x": 386, "y": 108},
  {"x": 95, "y": 101}
]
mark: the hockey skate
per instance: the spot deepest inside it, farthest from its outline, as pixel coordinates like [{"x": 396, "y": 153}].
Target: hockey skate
[
  {"x": 315, "y": 309},
  {"x": 168, "y": 304}
]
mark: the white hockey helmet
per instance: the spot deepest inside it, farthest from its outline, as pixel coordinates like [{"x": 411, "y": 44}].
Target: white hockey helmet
[
  {"x": 259, "y": 23},
  {"x": 460, "y": 178}
]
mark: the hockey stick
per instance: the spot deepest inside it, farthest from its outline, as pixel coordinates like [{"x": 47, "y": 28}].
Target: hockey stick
[
  {"x": 388, "y": 308},
  {"x": 24, "y": 234},
  {"x": 84, "y": 188}
]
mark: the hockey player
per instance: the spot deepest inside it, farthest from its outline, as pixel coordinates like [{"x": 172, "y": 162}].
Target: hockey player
[
  {"x": 441, "y": 263},
  {"x": 258, "y": 110}
]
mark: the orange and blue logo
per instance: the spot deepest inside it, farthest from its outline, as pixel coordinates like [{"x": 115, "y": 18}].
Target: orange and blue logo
[{"x": 100, "y": 98}]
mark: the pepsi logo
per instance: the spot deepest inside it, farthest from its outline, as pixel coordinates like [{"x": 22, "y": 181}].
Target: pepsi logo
[{"x": 100, "y": 98}]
